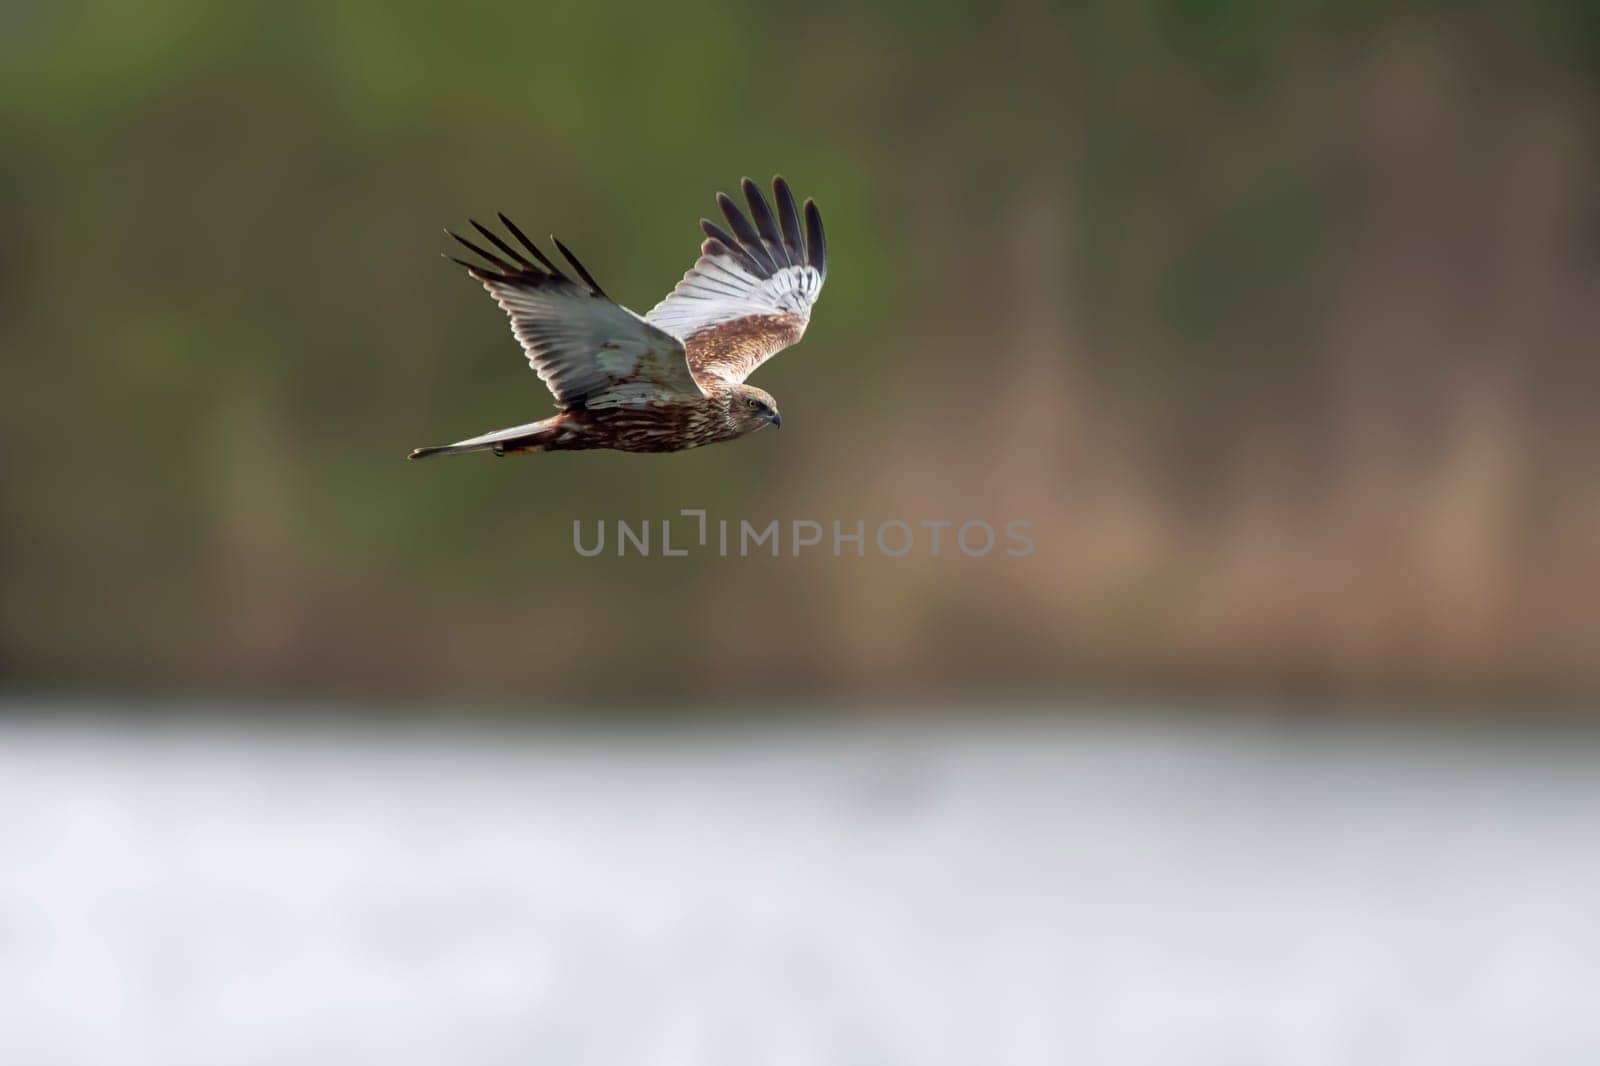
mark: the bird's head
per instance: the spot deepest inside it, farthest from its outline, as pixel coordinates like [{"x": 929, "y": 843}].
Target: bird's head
[{"x": 754, "y": 408}]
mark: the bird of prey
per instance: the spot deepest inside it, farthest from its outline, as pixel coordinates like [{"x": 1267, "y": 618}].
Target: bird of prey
[{"x": 671, "y": 379}]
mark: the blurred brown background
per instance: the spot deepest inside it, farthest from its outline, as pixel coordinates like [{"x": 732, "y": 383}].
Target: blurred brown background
[{"x": 1278, "y": 321}]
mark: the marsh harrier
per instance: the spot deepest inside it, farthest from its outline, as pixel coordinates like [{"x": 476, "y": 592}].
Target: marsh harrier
[{"x": 671, "y": 379}]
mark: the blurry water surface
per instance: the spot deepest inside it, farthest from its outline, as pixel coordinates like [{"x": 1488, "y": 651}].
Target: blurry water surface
[{"x": 177, "y": 893}]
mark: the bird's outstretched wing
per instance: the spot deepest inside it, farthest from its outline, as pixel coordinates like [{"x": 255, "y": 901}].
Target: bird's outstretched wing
[
  {"x": 588, "y": 351},
  {"x": 749, "y": 295}
]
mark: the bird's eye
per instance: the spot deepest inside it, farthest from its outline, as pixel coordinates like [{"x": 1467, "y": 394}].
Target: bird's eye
[{"x": 754, "y": 403}]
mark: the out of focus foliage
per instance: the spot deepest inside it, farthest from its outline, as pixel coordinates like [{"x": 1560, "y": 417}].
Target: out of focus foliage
[{"x": 1276, "y": 319}]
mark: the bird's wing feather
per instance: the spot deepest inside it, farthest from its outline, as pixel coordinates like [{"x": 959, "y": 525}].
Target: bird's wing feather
[
  {"x": 588, "y": 351},
  {"x": 749, "y": 295}
]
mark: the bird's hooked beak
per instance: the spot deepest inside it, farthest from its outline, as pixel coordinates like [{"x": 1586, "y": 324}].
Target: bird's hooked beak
[{"x": 772, "y": 416}]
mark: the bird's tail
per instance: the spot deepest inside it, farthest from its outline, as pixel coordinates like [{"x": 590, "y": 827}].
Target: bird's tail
[{"x": 529, "y": 438}]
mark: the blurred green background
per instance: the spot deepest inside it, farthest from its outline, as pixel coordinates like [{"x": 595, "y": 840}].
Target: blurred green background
[{"x": 1278, "y": 321}]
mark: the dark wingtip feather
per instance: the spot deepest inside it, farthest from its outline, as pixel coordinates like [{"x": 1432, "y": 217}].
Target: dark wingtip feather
[
  {"x": 494, "y": 239},
  {"x": 789, "y": 216},
  {"x": 749, "y": 239},
  {"x": 731, "y": 245},
  {"x": 516, "y": 232},
  {"x": 765, "y": 223},
  {"x": 816, "y": 241},
  {"x": 488, "y": 257},
  {"x": 594, "y": 286}
]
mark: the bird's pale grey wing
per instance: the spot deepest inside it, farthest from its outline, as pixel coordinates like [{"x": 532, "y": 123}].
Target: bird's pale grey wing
[
  {"x": 588, "y": 351},
  {"x": 750, "y": 293}
]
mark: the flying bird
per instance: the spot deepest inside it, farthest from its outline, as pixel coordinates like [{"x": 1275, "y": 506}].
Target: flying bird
[{"x": 671, "y": 379}]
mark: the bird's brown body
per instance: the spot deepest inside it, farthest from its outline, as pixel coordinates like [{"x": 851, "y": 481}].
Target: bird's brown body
[
  {"x": 670, "y": 380},
  {"x": 666, "y": 426}
]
